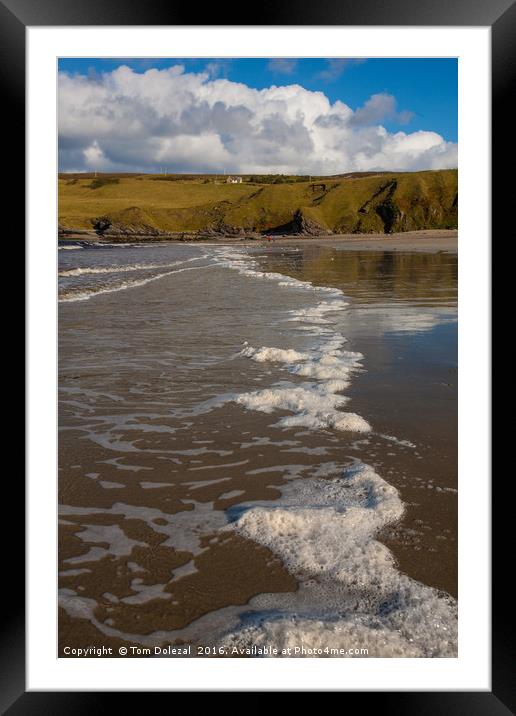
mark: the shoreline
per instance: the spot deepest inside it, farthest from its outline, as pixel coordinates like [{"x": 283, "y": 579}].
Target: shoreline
[
  {"x": 429, "y": 240},
  {"x": 425, "y": 240}
]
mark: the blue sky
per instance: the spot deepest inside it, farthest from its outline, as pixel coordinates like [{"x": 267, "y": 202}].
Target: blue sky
[{"x": 414, "y": 97}]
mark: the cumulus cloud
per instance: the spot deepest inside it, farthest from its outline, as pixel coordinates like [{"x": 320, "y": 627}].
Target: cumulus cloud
[
  {"x": 195, "y": 122},
  {"x": 378, "y": 108}
]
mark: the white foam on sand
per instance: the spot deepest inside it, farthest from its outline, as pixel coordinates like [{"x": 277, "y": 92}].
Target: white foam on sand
[
  {"x": 232, "y": 493},
  {"x": 146, "y": 485},
  {"x": 183, "y": 530},
  {"x": 243, "y": 263},
  {"x": 273, "y": 354},
  {"x": 128, "y": 268},
  {"x": 351, "y": 594},
  {"x": 119, "y": 544},
  {"x": 317, "y": 314},
  {"x": 316, "y": 404},
  {"x": 145, "y": 592},
  {"x": 204, "y": 483},
  {"x": 184, "y": 570},
  {"x": 91, "y": 293}
]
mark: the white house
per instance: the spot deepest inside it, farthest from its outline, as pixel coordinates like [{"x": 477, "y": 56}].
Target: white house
[{"x": 234, "y": 180}]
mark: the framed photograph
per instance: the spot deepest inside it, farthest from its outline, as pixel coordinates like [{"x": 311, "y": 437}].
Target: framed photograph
[{"x": 258, "y": 357}]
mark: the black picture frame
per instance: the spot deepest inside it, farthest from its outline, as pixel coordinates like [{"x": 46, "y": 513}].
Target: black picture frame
[{"x": 500, "y": 16}]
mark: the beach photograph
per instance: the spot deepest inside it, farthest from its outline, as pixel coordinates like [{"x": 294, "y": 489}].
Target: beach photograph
[{"x": 257, "y": 290}]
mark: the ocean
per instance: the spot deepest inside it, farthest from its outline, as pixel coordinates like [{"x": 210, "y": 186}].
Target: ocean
[{"x": 258, "y": 449}]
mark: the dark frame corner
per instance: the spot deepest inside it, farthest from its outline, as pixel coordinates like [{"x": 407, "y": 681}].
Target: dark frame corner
[{"x": 500, "y": 15}]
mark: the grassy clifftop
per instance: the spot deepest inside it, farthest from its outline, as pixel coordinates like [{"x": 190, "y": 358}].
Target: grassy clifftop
[{"x": 383, "y": 202}]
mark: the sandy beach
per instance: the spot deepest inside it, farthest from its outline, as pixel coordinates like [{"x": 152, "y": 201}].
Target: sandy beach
[
  {"x": 429, "y": 240},
  {"x": 187, "y": 428}
]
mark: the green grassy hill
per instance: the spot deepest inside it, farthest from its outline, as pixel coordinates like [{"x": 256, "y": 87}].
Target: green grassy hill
[{"x": 358, "y": 203}]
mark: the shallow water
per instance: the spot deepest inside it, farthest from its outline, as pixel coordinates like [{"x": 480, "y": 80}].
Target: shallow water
[{"x": 258, "y": 446}]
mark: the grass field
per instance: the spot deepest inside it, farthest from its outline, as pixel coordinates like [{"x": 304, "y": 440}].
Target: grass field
[{"x": 365, "y": 203}]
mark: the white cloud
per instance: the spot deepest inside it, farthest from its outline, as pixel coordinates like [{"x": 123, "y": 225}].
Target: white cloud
[
  {"x": 336, "y": 66},
  {"x": 94, "y": 156},
  {"x": 218, "y": 68},
  {"x": 378, "y": 108},
  {"x": 282, "y": 65},
  {"x": 128, "y": 121}
]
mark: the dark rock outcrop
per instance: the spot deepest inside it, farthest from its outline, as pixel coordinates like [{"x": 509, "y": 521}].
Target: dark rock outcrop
[
  {"x": 105, "y": 227},
  {"x": 302, "y": 224},
  {"x": 101, "y": 224}
]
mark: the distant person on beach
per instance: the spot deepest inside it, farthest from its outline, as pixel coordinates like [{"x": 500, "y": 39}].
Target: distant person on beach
[{"x": 269, "y": 238}]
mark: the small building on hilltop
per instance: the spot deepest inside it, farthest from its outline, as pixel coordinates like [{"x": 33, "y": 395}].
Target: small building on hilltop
[{"x": 234, "y": 180}]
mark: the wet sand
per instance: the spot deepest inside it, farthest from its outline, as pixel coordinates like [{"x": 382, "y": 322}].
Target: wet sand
[
  {"x": 120, "y": 446},
  {"x": 408, "y": 388},
  {"x": 425, "y": 240}
]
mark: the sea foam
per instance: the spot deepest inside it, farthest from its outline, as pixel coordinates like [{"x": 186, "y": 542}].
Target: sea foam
[
  {"x": 351, "y": 593},
  {"x": 128, "y": 268},
  {"x": 85, "y": 295},
  {"x": 324, "y": 527},
  {"x": 315, "y": 404}
]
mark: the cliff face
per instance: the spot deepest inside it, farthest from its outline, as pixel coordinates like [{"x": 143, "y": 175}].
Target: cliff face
[{"x": 152, "y": 205}]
